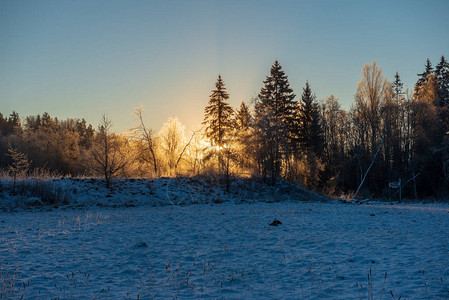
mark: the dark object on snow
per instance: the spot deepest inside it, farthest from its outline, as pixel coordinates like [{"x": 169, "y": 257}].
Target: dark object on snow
[
  {"x": 141, "y": 245},
  {"x": 275, "y": 223}
]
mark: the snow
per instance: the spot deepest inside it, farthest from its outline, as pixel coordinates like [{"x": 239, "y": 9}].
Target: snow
[
  {"x": 88, "y": 192},
  {"x": 227, "y": 250}
]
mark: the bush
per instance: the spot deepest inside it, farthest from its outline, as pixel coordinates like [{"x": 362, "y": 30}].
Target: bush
[{"x": 48, "y": 192}]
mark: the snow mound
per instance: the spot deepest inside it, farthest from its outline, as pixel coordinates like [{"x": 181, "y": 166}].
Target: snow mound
[{"x": 81, "y": 192}]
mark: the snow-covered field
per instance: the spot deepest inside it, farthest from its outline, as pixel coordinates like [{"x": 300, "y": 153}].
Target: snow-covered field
[{"x": 321, "y": 250}]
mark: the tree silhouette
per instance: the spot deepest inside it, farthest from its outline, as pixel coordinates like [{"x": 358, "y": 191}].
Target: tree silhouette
[
  {"x": 219, "y": 122},
  {"x": 274, "y": 118}
]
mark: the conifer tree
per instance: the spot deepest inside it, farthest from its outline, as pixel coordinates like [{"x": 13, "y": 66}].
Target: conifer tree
[
  {"x": 243, "y": 117},
  {"x": 423, "y": 77},
  {"x": 310, "y": 133},
  {"x": 442, "y": 77},
  {"x": 278, "y": 97},
  {"x": 218, "y": 119},
  {"x": 244, "y": 136},
  {"x": 274, "y": 116},
  {"x": 397, "y": 86}
]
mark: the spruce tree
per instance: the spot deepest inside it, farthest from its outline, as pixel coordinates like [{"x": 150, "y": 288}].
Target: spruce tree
[
  {"x": 244, "y": 137},
  {"x": 310, "y": 133},
  {"x": 243, "y": 117},
  {"x": 218, "y": 119},
  {"x": 278, "y": 96},
  {"x": 442, "y": 77},
  {"x": 274, "y": 114},
  {"x": 423, "y": 77},
  {"x": 397, "y": 86}
]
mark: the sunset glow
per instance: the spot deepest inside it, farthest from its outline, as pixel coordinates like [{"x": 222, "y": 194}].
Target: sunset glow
[
  {"x": 81, "y": 59},
  {"x": 237, "y": 149}
]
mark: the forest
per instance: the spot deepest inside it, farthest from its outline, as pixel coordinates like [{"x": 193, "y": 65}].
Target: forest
[{"x": 388, "y": 134}]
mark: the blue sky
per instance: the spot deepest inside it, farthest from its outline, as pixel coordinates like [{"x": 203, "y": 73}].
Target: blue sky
[{"x": 84, "y": 58}]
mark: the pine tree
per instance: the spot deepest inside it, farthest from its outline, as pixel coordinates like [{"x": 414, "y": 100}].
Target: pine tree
[
  {"x": 243, "y": 117},
  {"x": 244, "y": 136},
  {"x": 442, "y": 77},
  {"x": 13, "y": 124},
  {"x": 310, "y": 133},
  {"x": 274, "y": 116},
  {"x": 397, "y": 86},
  {"x": 278, "y": 97},
  {"x": 423, "y": 77},
  {"x": 218, "y": 120}
]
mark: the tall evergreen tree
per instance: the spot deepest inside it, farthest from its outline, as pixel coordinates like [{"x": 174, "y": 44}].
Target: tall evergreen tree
[
  {"x": 277, "y": 95},
  {"x": 243, "y": 117},
  {"x": 428, "y": 69},
  {"x": 244, "y": 137},
  {"x": 274, "y": 115},
  {"x": 442, "y": 77},
  {"x": 310, "y": 132},
  {"x": 218, "y": 119},
  {"x": 397, "y": 86}
]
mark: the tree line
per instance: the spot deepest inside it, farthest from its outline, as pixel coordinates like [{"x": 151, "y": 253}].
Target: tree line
[{"x": 388, "y": 134}]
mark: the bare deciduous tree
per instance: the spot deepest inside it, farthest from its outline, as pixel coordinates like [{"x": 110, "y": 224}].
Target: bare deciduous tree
[
  {"x": 371, "y": 93},
  {"x": 172, "y": 142},
  {"x": 108, "y": 151},
  {"x": 145, "y": 135}
]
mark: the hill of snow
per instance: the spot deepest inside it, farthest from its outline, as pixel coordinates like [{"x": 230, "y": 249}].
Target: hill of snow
[{"x": 80, "y": 192}]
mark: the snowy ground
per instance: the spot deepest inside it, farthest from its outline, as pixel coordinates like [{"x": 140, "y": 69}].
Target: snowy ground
[
  {"x": 87, "y": 192},
  {"x": 228, "y": 250}
]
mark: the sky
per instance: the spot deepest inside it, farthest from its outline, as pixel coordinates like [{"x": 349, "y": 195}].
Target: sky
[{"x": 82, "y": 59}]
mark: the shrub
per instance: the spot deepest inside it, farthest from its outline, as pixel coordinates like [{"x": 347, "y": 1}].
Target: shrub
[{"x": 49, "y": 192}]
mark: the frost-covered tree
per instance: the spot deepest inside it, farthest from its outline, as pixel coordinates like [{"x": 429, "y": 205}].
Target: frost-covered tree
[
  {"x": 368, "y": 132},
  {"x": 335, "y": 130},
  {"x": 147, "y": 141},
  {"x": 19, "y": 165},
  {"x": 109, "y": 153},
  {"x": 172, "y": 142},
  {"x": 371, "y": 93}
]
